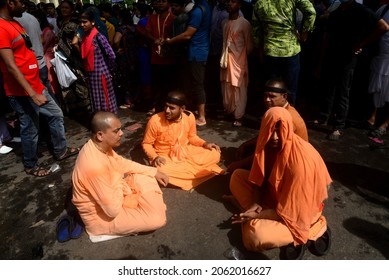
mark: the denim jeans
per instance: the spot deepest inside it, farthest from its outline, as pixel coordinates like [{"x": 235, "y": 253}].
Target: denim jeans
[
  {"x": 286, "y": 68},
  {"x": 44, "y": 76},
  {"x": 28, "y": 113}
]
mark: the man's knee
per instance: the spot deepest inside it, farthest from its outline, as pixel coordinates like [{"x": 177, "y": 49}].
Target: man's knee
[
  {"x": 237, "y": 177},
  {"x": 257, "y": 236},
  {"x": 157, "y": 220}
]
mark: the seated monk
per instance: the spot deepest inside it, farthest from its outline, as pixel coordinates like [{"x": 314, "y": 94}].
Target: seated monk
[
  {"x": 113, "y": 195},
  {"x": 171, "y": 144},
  {"x": 281, "y": 197},
  {"x": 275, "y": 95}
]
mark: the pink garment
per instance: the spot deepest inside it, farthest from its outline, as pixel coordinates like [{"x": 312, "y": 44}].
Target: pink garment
[
  {"x": 237, "y": 41},
  {"x": 49, "y": 40}
]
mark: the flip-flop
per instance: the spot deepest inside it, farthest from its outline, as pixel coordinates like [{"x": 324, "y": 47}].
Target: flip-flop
[
  {"x": 68, "y": 153},
  {"x": 76, "y": 229},
  {"x": 201, "y": 123},
  {"x": 63, "y": 229},
  {"x": 35, "y": 171}
]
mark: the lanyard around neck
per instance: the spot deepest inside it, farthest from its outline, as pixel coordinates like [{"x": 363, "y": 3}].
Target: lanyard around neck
[{"x": 163, "y": 27}]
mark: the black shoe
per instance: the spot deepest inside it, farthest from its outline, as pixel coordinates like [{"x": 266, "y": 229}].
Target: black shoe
[
  {"x": 322, "y": 245},
  {"x": 291, "y": 252}
]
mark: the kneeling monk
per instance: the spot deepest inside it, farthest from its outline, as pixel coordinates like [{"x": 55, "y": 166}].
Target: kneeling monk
[
  {"x": 281, "y": 197},
  {"x": 171, "y": 144},
  {"x": 115, "y": 196}
]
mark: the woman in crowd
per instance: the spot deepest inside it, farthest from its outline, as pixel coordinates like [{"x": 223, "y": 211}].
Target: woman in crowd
[
  {"x": 99, "y": 59},
  {"x": 48, "y": 42},
  {"x": 76, "y": 97}
]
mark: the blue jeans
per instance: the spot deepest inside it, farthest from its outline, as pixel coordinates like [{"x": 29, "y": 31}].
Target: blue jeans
[
  {"x": 28, "y": 113},
  {"x": 286, "y": 68},
  {"x": 44, "y": 76}
]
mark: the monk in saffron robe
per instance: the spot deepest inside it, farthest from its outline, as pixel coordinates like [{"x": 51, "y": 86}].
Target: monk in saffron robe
[
  {"x": 115, "y": 196},
  {"x": 281, "y": 197},
  {"x": 275, "y": 95},
  {"x": 173, "y": 146}
]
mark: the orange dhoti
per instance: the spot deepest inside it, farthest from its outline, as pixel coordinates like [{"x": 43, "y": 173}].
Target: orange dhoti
[
  {"x": 199, "y": 167},
  {"x": 148, "y": 215}
]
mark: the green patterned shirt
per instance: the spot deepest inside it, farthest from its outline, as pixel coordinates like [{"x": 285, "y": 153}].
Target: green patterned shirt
[{"x": 274, "y": 25}]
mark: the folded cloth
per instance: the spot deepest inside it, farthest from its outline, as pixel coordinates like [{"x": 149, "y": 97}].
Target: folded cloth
[{"x": 103, "y": 237}]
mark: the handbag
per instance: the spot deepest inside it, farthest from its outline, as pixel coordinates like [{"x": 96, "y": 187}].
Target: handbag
[{"x": 65, "y": 75}]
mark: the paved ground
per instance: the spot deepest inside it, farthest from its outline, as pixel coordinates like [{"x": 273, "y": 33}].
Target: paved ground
[{"x": 357, "y": 209}]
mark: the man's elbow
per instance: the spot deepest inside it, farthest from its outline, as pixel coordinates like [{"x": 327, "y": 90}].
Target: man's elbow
[{"x": 383, "y": 27}]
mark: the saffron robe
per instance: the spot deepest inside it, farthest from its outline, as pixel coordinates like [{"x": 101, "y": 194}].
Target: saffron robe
[
  {"x": 188, "y": 164},
  {"x": 295, "y": 188},
  {"x": 237, "y": 43},
  {"x": 114, "y": 195},
  {"x": 299, "y": 126}
]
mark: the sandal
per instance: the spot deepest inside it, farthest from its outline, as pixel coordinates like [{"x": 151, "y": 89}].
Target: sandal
[
  {"x": 335, "y": 135},
  {"x": 63, "y": 229},
  {"x": 68, "y": 228},
  {"x": 127, "y": 106},
  {"x": 37, "y": 171},
  {"x": 377, "y": 133},
  {"x": 237, "y": 123},
  {"x": 150, "y": 112},
  {"x": 68, "y": 153},
  {"x": 201, "y": 123}
]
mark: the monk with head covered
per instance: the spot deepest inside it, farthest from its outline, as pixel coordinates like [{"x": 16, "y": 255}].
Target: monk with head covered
[
  {"x": 173, "y": 146},
  {"x": 275, "y": 95},
  {"x": 281, "y": 197}
]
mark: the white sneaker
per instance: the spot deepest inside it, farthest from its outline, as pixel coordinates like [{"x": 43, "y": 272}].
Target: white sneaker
[{"x": 5, "y": 149}]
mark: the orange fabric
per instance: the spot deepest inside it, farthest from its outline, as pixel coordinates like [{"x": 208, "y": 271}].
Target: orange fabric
[
  {"x": 87, "y": 50},
  {"x": 237, "y": 41},
  {"x": 270, "y": 232},
  {"x": 299, "y": 125},
  {"x": 114, "y": 195},
  {"x": 299, "y": 177},
  {"x": 188, "y": 164}
]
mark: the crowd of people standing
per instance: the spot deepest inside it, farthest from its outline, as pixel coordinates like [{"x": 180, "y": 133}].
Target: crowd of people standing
[{"x": 125, "y": 57}]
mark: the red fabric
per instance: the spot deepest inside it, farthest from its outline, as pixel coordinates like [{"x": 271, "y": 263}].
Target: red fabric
[
  {"x": 10, "y": 38},
  {"x": 164, "y": 32},
  {"x": 299, "y": 177},
  {"x": 87, "y": 50},
  {"x": 105, "y": 88}
]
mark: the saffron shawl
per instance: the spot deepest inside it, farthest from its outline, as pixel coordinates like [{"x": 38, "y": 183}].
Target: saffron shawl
[
  {"x": 299, "y": 176},
  {"x": 87, "y": 50}
]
